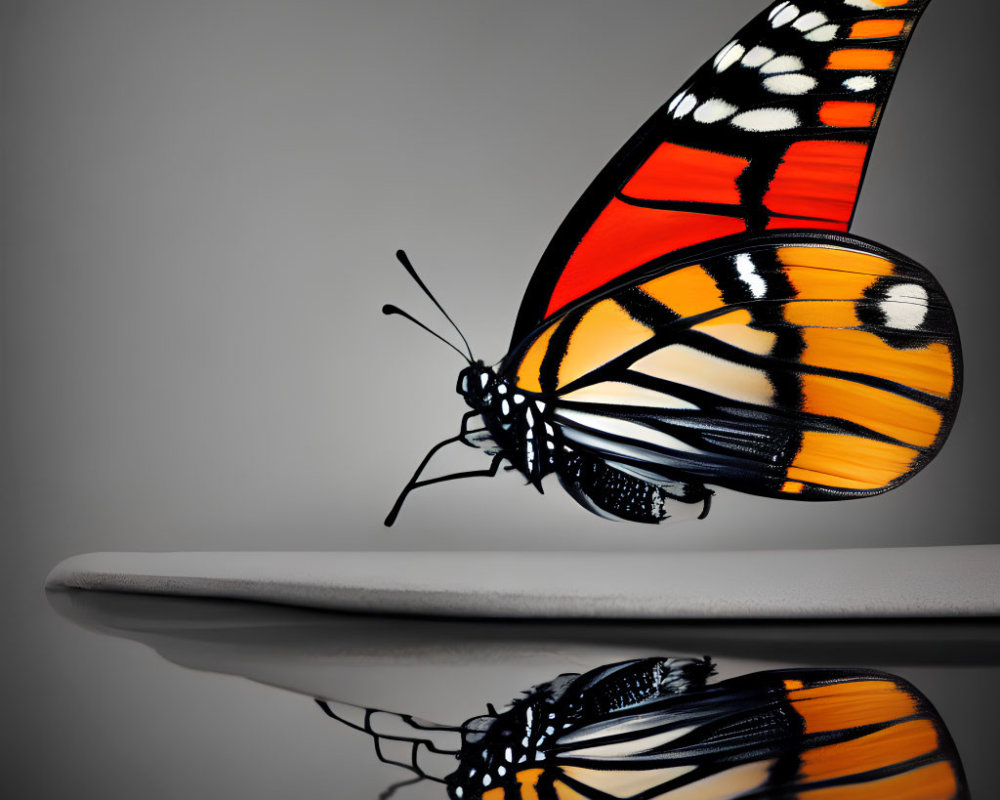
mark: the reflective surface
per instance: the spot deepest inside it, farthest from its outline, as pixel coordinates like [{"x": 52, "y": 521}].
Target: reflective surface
[
  {"x": 244, "y": 739},
  {"x": 203, "y": 200}
]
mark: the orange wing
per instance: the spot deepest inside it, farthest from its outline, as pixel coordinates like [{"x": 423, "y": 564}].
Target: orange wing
[{"x": 794, "y": 366}]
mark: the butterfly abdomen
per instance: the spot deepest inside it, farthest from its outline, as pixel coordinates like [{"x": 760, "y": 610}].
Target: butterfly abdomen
[{"x": 617, "y": 492}]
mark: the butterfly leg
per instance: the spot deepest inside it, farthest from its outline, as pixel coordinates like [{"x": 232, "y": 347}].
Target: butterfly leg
[
  {"x": 489, "y": 472},
  {"x": 464, "y": 432},
  {"x": 706, "y": 503},
  {"x": 391, "y": 790},
  {"x": 414, "y": 483}
]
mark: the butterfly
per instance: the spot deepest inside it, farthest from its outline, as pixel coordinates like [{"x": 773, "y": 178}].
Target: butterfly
[
  {"x": 703, "y": 317},
  {"x": 653, "y": 728}
]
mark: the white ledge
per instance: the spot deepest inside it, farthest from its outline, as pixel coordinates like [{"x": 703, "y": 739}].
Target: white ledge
[{"x": 805, "y": 584}]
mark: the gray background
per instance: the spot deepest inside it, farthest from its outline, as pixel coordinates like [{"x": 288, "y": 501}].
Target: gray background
[{"x": 200, "y": 205}]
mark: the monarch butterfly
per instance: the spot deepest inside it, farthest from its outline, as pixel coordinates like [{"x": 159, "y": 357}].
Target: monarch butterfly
[
  {"x": 702, "y": 315},
  {"x": 652, "y": 728}
]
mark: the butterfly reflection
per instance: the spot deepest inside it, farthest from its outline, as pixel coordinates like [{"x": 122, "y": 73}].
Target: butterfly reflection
[{"x": 654, "y": 728}]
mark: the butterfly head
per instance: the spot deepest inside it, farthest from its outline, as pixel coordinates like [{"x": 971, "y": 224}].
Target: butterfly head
[
  {"x": 479, "y": 386},
  {"x": 505, "y": 410}
]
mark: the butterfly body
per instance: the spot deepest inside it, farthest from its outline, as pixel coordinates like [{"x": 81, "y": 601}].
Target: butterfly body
[
  {"x": 515, "y": 422},
  {"x": 526, "y": 429},
  {"x": 703, "y": 317}
]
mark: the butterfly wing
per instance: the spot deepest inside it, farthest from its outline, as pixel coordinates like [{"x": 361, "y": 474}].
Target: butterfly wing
[
  {"x": 797, "y": 365},
  {"x": 773, "y": 133},
  {"x": 807, "y": 734}
]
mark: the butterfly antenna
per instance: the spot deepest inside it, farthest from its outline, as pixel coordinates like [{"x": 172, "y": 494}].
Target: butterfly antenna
[
  {"x": 388, "y": 309},
  {"x": 405, "y": 261}
]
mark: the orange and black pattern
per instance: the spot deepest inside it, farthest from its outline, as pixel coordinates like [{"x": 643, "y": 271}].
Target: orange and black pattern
[
  {"x": 652, "y": 730},
  {"x": 793, "y": 367}
]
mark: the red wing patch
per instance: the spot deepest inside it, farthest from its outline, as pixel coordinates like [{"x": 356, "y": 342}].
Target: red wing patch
[
  {"x": 841, "y": 114},
  {"x": 687, "y": 174},
  {"x": 626, "y": 236},
  {"x": 817, "y": 180}
]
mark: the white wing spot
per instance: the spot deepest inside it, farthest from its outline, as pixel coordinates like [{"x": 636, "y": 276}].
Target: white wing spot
[
  {"x": 685, "y": 106},
  {"x": 673, "y": 103},
  {"x": 809, "y": 21},
  {"x": 861, "y": 83},
  {"x": 824, "y": 33},
  {"x": 786, "y": 15},
  {"x": 782, "y": 64},
  {"x": 905, "y": 306},
  {"x": 747, "y": 271},
  {"x": 723, "y": 52},
  {"x": 790, "y": 83},
  {"x": 713, "y": 110},
  {"x": 757, "y": 56},
  {"x": 728, "y": 56},
  {"x": 777, "y": 10},
  {"x": 867, "y": 5},
  {"x": 762, "y": 120}
]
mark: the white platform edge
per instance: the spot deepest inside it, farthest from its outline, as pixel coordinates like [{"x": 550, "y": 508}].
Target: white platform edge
[{"x": 860, "y": 583}]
